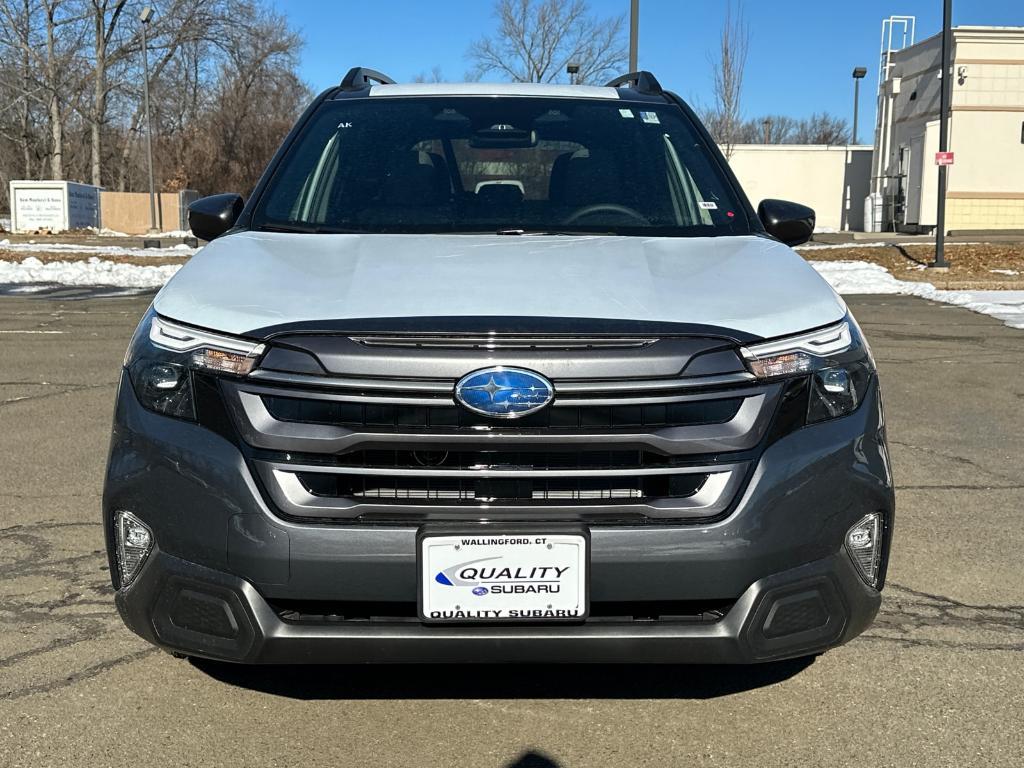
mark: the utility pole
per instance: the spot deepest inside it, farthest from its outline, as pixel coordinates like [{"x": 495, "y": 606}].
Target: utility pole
[
  {"x": 145, "y": 17},
  {"x": 946, "y": 87},
  {"x": 634, "y": 34},
  {"x": 858, "y": 75}
]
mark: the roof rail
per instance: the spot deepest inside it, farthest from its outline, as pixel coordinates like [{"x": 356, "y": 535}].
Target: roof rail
[
  {"x": 642, "y": 81},
  {"x": 361, "y": 77}
]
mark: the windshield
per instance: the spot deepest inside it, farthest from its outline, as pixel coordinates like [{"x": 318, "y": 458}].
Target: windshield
[{"x": 468, "y": 164}]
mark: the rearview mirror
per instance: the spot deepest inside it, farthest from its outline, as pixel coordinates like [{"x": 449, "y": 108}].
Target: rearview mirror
[
  {"x": 791, "y": 223},
  {"x": 503, "y": 136},
  {"x": 210, "y": 217}
]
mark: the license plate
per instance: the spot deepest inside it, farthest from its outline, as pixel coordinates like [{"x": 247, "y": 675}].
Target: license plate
[{"x": 503, "y": 578}]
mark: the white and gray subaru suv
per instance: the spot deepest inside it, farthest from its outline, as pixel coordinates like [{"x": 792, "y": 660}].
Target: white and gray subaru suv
[{"x": 498, "y": 373}]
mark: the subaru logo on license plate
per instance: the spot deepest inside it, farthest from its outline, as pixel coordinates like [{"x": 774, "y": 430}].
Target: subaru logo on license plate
[{"x": 504, "y": 393}]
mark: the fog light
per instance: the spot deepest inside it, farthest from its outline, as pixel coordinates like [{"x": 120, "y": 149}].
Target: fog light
[
  {"x": 864, "y": 543},
  {"x": 134, "y": 542}
]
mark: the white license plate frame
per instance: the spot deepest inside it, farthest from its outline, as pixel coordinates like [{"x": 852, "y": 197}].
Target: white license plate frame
[{"x": 503, "y": 559}]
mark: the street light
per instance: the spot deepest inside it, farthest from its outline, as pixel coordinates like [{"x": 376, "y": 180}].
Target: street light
[
  {"x": 573, "y": 70},
  {"x": 145, "y": 17},
  {"x": 858, "y": 75},
  {"x": 634, "y": 34}
]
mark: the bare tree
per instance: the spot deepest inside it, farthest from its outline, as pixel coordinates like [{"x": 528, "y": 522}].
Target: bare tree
[
  {"x": 46, "y": 36},
  {"x": 767, "y": 129},
  {"x": 223, "y": 84},
  {"x": 725, "y": 121},
  {"x": 536, "y": 39},
  {"x": 176, "y": 25},
  {"x": 228, "y": 140},
  {"x": 105, "y": 14},
  {"x": 819, "y": 128},
  {"x": 822, "y": 128},
  {"x": 433, "y": 76}
]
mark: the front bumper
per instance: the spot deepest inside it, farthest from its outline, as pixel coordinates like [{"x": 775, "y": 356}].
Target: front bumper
[
  {"x": 198, "y": 611},
  {"x": 777, "y": 559}
]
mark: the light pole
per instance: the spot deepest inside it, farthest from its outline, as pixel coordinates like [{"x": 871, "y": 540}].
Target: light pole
[
  {"x": 634, "y": 34},
  {"x": 858, "y": 75},
  {"x": 145, "y": 17},
  {"x": 573, "y": 70},
  {"x": 945, "y": 89}
]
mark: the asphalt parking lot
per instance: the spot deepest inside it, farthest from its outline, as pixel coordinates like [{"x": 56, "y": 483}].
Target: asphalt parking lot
[{"x": 938, "y": 681}]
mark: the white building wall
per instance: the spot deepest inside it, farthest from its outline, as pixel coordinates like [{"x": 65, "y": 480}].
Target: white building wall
[{"x": 832, "y": 180}]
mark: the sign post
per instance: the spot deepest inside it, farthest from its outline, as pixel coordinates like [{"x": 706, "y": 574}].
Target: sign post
[{"x": 943, "y": 158}]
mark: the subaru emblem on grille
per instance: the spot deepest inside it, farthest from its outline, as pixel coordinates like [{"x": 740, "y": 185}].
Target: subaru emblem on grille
[{"x": 504, "y": 393}]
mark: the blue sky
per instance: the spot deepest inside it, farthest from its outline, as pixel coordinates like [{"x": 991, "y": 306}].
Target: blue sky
[{"x": 801, "y": 53}]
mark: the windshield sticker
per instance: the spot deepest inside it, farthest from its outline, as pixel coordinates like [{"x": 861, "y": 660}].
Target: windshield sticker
[
  {"x": 708, "y": 205},
  {"x": 344, "y": 125},
  {"x": 650, "y": 117},
  {"x": 626, "y": 112}
]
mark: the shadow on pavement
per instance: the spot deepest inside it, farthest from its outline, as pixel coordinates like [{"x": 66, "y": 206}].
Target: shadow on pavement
[
  {"x": 533, "y": 760},
  {"x": 502, "y": 681}
]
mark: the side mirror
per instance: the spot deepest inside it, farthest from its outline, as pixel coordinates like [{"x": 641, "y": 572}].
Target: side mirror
[
  {"x": 791, "y": 223},
  {"x": 210, "y": 217}
]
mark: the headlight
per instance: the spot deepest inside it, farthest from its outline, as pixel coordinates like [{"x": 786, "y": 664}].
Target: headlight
[
  {"x": 836, "y": 360},
  {"x": 163, "y": 354}
]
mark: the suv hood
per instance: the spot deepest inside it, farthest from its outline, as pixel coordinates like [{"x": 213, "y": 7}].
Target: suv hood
[{"x": 249, "y": 283}]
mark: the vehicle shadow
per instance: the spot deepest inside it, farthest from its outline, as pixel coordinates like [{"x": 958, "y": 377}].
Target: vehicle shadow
[
  {"x": 533, "y": 681},
  {"x": 533, "y": 759}
]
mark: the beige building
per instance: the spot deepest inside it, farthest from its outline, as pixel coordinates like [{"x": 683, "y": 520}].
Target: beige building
[
  {"x": 986, "y": 133},
  {"x": 833, "y": 180}
]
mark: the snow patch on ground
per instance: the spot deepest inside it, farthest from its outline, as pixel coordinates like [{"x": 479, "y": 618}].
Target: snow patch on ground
[
  {"x": 836, "y": 246},
  {"x": 863, "y": 277},
  {"x": 100, "y": 250},
  {"x": 864, "y": 244},
  {"x": 93, "y": 271},
  {"x": 104, "y": 232}
]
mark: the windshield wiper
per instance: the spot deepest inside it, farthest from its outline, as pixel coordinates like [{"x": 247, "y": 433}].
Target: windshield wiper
[
  {"x": 566, "y": 232},
  {"x": 307, "y": 229}
]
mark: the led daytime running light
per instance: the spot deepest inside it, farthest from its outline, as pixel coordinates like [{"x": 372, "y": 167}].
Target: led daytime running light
[
  {"x": 797, "y": 354},
  {"x": 210, "y": 351}
]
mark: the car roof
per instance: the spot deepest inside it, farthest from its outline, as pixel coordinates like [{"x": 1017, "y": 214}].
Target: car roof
[{"x": 554, "y": 90}]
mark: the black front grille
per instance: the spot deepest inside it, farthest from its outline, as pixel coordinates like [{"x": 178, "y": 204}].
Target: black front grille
[
  {"x": 448, "y": 416},
  {"x": 471, "y": 490},
  {"x": 426, "y": 460},
  {"x": 339, "y": 612},
  {"x": 410, "y": 453}
]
